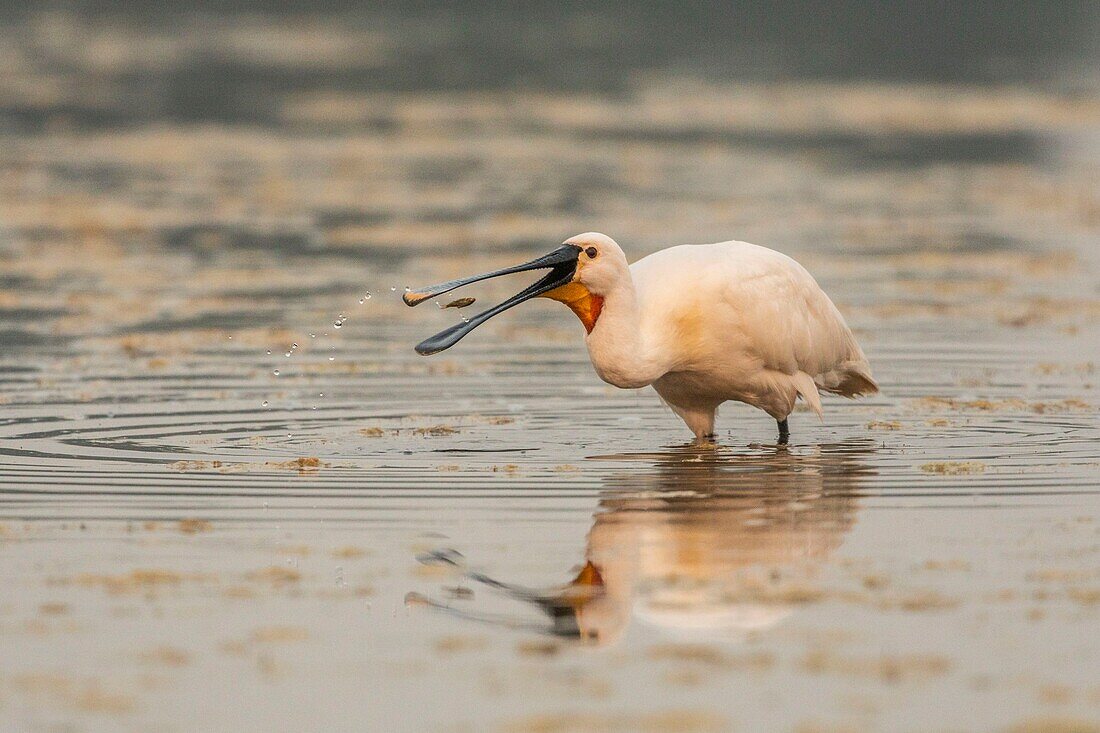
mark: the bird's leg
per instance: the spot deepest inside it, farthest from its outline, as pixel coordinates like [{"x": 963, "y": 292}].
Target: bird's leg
[
  {"x": 784, "y": 431},
  {"x": 705, "y": 440}
]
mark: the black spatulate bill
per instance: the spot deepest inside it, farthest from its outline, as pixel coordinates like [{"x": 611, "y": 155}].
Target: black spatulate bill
[{"x": 562, "y": 263}]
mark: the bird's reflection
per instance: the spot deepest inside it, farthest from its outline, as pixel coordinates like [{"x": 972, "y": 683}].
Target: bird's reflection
[{"x": 697, "y": 541}]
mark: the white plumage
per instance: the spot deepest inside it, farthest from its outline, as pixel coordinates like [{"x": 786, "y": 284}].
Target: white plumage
[
  {"x": 708, "y": 323},
  {"x": 701, "y": 323}
]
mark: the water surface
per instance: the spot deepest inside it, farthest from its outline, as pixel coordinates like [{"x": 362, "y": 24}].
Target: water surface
[{"x": 221, "y": 511}]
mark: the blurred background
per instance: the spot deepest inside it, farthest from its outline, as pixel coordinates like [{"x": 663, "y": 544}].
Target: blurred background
[
  {"x": 104, "y": 64},
  {"x": 145, "y": 137}
]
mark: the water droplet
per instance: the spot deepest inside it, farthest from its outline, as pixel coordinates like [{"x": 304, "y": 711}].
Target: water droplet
[
  {"x": 276, "y": 372},
  {"x": 337, "y": 324},
  {"x": 313, "y": 335},
  {"x": 408, "y": 289},
  {"x": 264, "y": 403},
  {"x": 464, "y": 319},
  {"x": 287, "y": 354},
  {"x": 366, "y": 295},
  {"x": 293, "y": 347},
  {"x": 393, "y": 288},
  {"x": 332, "y": 358},
  {"x": 269, "y": 352},
  {"x": 320, "y": 394}
]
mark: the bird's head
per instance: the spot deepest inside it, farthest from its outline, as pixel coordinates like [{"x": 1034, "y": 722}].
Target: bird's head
[
  {"x": 601, "y": 264},
  {"x": 581, "y": 273}
]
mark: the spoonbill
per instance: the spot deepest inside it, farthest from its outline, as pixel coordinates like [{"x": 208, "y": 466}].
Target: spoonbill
[
  {"x": 701, "y": 324},
  {"x": 680, "y": 545}
]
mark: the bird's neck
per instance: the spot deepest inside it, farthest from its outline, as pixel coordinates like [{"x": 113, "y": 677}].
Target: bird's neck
[{"x": 616, "y": 342}]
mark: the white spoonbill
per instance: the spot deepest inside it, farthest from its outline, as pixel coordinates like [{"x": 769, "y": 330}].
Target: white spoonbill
[{"x": 702, "y": 324}]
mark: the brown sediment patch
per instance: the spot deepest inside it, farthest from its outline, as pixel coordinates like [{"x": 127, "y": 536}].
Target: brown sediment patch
[
  {"x": 143, "y": 580},
  {"x": 194, "y": 465},
  {"x": 1081, "y": 369},
  {"x": 710, "y": 656},
  {"x": 539, "y": 648},
  {"x": 239, "y": 592},
  {"x": 673, "y": 721},
  {"x": 435, "y": 430},
  {"x": 782, "y": 593},
  {"x": 306, "y": 464},
  {"x": 884, "y": 425},
  {"x": 275, "y": 575},
  {"x": 1059, "y": 575},
  {"x": 166, "y": 656},
  {"x": 444, "y": 367},
  {"x": 1084, "y": 596},
  {"x": 953, "y": 468},
  {"x": 1055, "y": 694},
  {"x": 84, "y": 695},
  {"x": 299, "y": 550},
  {"x": 372, "y": 432},
  {"x": 875, "y": 581},
  {"x": 194, "y": 526},
  {"x": 459, "y": 592},
  {"x": 1069, "y": 405},
  {"x": 684, "y": 677},
  {"x": 1006, "y": 405},
  {"x": 53, "y": 609},
  {"x": 1044, "y": 309},
  {"x": 457, "y": 643},
  {"x": 279, "y": 634},
  {"x": 945, "y": 565},
  {"x": 887, "y": 668},
  {"x": 927, "y": 600},
  {"x": 914, "y": 600},
  {"x": 1055, "y": 725},
  {"x": 349, "y": 552}
]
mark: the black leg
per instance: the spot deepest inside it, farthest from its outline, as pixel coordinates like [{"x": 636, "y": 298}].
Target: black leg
[{"x": 784, "y": 431}]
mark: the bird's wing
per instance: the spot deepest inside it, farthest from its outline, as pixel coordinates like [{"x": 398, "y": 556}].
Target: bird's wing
[
  {"x": 792, "y": 324},
  {"x": 766, "y": 303}
]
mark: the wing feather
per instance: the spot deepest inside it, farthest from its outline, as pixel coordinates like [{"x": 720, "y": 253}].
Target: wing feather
[{"x": 768, "y": 305}]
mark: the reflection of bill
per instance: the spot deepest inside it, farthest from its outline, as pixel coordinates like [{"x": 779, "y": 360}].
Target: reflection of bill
[{"x": 702, "y": 543}]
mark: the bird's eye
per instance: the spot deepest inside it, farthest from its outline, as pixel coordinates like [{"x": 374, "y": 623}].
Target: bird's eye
[{"x": 591, "y": 252}]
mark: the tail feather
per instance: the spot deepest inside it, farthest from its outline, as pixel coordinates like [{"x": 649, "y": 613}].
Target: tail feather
[
  {"x": 806, "y": 387},
  {"x": 851, "y": 380}
]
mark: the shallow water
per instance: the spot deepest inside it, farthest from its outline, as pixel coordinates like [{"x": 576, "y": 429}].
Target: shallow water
[{"x": 372, "y": 540}]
